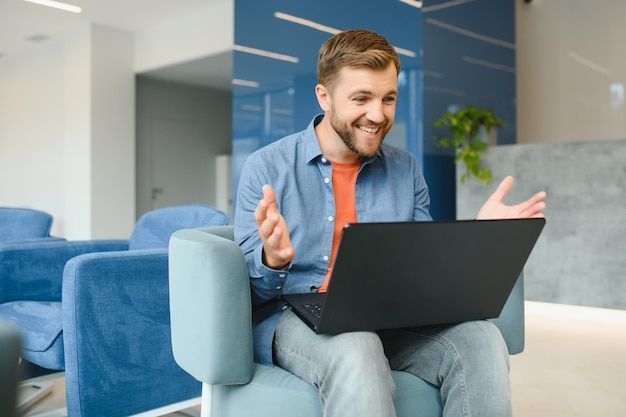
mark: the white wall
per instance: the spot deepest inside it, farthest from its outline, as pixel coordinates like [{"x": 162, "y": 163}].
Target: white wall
[
  {"x": 571, "y": 70},
  {"x": 32, "y": 130},
  {"x": 66, "y": 128},
  {"x": 75, "y": 101},
  {"x": 112, "y": 110}
]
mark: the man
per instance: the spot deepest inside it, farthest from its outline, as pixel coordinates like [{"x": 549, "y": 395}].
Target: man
[{"x": 293, "y": 199}]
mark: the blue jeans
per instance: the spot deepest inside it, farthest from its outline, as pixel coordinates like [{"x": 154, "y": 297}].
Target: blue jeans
[{"x": 469, "y": 362}]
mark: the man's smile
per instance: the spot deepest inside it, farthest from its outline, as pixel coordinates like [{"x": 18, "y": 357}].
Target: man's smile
[{"x": 369, "y": 130}]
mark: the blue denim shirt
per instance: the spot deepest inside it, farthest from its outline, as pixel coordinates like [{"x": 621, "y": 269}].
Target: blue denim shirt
[{"x": 389, "y": 187}]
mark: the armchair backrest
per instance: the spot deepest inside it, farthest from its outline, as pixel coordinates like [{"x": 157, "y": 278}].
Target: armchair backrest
[
  {"x": 23, "y": 223},
  {"x": 154, "y": 229}
]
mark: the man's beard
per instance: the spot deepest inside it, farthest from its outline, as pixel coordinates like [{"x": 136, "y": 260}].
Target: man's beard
[{"x": 347, "y": 136}]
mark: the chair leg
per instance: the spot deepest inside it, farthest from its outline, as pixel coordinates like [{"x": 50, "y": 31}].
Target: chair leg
[
  {"x": 31, "y": 392},
  {"x": 207, "y": 399},
  {"x": 191, "y": 412},
  {"x": 59, "y": 412}
]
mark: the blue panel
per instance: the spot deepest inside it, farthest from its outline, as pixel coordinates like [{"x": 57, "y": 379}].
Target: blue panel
[
  {"x": 282, "y": 99},
  {"x": 440, "y": 174},
  {"x": 469, "y": 58}
]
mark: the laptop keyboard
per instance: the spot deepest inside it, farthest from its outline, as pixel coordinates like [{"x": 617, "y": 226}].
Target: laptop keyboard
[{"x": 313, "y": 309}]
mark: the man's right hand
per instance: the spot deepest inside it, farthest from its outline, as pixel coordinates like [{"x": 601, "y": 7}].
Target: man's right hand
[{"x": 277, "y": 248}]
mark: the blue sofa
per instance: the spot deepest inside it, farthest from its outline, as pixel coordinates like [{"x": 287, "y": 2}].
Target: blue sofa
[{"x": 100, "y": 311}]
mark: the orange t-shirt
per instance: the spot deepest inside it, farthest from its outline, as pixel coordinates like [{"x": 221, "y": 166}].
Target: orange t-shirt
[{"x": 344, "y": 180}]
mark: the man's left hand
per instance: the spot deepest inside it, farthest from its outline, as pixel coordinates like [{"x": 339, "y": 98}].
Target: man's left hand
[{"x": 494, "y": 207}]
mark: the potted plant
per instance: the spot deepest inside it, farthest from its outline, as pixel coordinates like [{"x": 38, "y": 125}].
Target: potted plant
[{"x": 465, "y": 126}]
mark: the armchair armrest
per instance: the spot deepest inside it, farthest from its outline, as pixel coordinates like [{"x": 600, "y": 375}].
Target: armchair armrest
[
  {"x": 210, "y": 303},
  {"x": 33, "y": 270},
  {"x": 116, "y": 329},
  {"x": 511, "y": 321}
]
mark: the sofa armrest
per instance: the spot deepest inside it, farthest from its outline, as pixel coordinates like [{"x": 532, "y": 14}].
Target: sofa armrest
[
  {"x": 511, "y": 321},
  {"x": 35, "y": 240},
  {"x": 116, "y": 330},
  {"x": 33, "y": 271},
  {"x": 210, "y": 303}
]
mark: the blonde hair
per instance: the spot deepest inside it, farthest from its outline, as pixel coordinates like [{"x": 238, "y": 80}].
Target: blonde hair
[{"x": 354, "y": 48}]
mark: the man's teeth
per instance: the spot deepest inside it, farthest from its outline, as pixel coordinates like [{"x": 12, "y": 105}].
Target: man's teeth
[{"x": 368, "y": 130}]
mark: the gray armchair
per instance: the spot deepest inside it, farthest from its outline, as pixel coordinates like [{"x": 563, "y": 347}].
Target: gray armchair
[{"x": 210, "y": 312}]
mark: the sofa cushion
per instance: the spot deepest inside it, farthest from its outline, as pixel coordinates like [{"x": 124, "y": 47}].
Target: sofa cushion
[
  {"x": 23, "y": 223},
  {"x": 153, "y": 229},
  {"x": 274, "y": 391},
  {"x": 39, "y": 323}
]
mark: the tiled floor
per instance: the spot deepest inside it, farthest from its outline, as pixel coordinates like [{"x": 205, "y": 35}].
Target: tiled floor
[{"x": 574, "y": 365}]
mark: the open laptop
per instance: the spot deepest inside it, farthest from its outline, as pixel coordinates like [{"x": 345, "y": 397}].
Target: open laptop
[{"x": 394, "y": 275}]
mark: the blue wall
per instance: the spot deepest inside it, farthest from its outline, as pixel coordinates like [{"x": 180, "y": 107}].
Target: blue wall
[
  {"x": 469, "y": 58},
  {"x": 282, "y": 98}
]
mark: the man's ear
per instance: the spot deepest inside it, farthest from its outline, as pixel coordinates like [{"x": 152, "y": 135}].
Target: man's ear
[{"x": 323, "y": 97}]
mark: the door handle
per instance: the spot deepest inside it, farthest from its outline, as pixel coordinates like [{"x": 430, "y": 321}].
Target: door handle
[{"x": 156, "y": 191}]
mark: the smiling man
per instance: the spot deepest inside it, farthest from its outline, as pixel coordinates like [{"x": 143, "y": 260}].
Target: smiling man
[{"x": 294, "y": 197}]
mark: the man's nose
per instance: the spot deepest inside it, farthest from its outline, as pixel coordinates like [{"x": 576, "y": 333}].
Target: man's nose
[{"x": 375, "y": 112}]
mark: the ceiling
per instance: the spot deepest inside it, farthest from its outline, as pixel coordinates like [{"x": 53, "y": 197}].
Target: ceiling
[{"x": 24, "y": 26}]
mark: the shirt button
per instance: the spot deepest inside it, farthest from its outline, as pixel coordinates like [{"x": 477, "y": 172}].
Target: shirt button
[
  {"x": 326, "y": 180},
  {"x": 279, "y": 287},
  {"x": 324, "y": 160},
  {"x": 331, "y": 218},
  {"x": 284, "y": 308},
  {"x": 282, "y": 275},
  {"x": 325, "y": 258}
]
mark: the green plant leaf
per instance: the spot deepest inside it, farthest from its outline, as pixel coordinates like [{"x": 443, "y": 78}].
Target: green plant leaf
[
  {"x": 471, "y": 159},
  {"x": 478, "y": 145},
  {"x": 464, "y": 125},
  {"x": 485, "y": 175}
]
